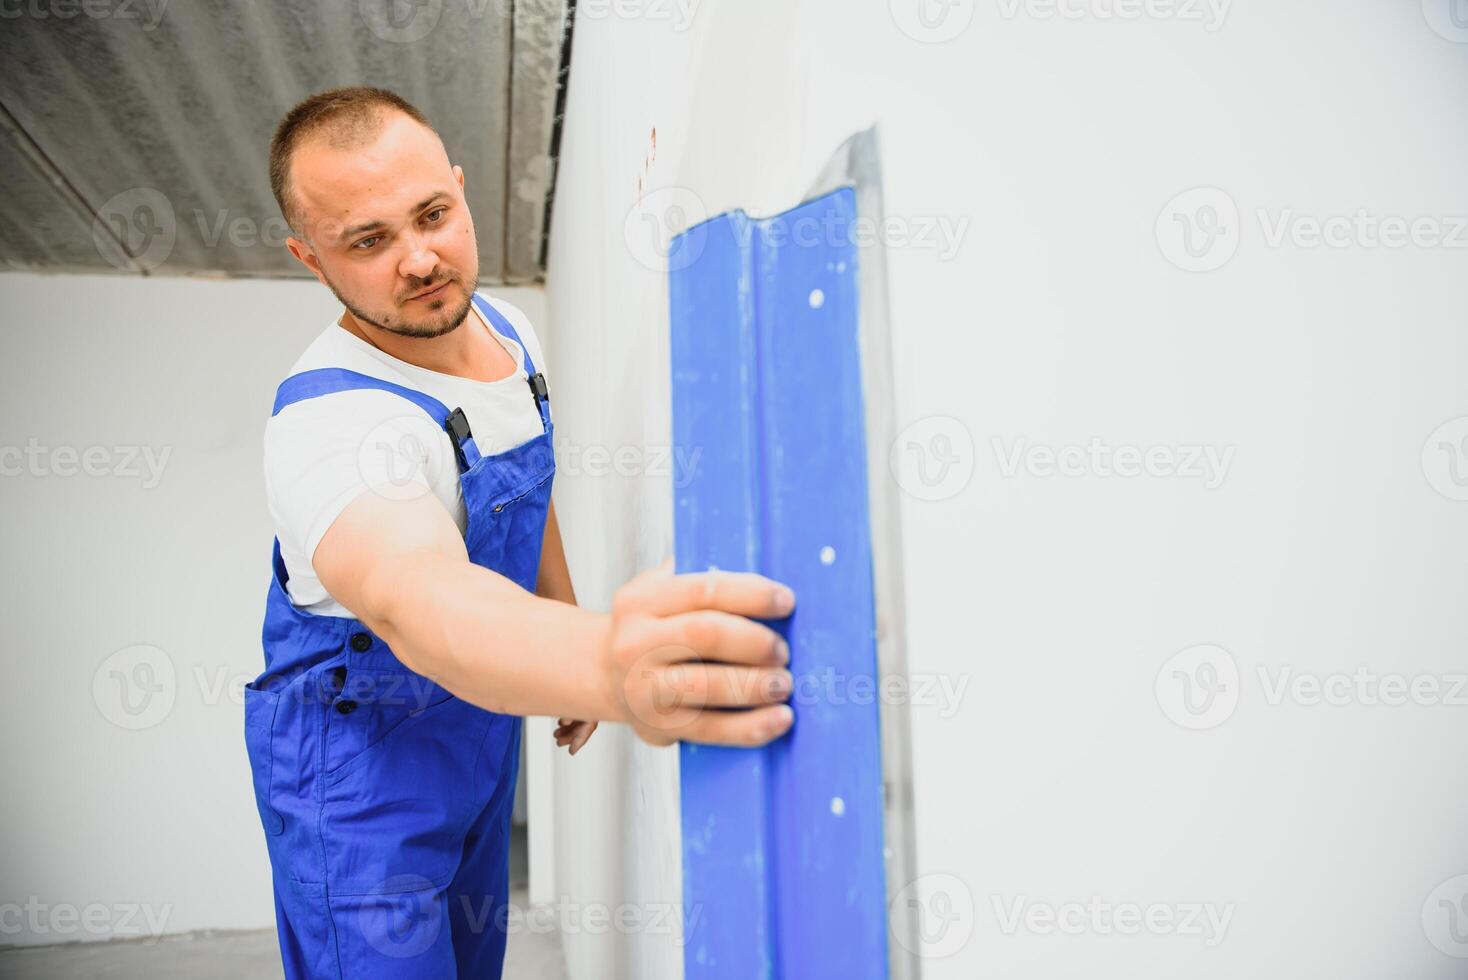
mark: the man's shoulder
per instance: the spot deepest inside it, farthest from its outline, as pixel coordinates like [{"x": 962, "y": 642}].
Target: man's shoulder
[
  {"x": 332, "y": 347},
  {"x": 345, "y": 412},
  {"x": 337, "y": 349}
]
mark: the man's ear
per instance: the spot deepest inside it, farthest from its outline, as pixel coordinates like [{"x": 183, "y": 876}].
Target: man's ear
[
  {"x": 459, "y": 175},
  {"x": 305, "y": 256}
]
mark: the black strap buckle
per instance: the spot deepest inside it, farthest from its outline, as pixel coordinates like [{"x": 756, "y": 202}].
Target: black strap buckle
[
  {"x": 538, "y": 389},
  {"x": 458, "y": 426}
]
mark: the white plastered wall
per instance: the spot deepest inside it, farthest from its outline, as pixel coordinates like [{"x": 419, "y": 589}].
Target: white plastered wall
[{"x": 1049, "y": 145}]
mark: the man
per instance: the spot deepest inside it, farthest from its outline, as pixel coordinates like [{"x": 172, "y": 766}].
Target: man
[{"x": 421, "y": 601}]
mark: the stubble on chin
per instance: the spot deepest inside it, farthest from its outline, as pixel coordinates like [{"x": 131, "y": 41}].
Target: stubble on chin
[{"x": 435, "y": 323}]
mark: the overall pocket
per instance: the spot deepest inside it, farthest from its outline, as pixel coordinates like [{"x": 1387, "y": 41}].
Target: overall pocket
[
  {"x": 511, "y": 526},
  {"x": 372, "y": 705},
  {"x": 507, "y": 501},
  {"x": 260, "y": 708},
  {"x": 401, "y": 809}
]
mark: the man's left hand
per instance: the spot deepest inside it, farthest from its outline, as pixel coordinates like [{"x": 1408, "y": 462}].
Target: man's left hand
[{"x": 574, "y": 733}]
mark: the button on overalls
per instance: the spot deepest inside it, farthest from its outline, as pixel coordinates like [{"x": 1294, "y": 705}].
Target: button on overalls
[{"x": 386, "y": 800}]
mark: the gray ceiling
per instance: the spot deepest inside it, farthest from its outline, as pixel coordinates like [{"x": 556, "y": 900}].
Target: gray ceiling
[{"x": 134, "y": 134}]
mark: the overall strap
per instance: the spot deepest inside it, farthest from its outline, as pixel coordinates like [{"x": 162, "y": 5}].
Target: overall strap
[
  {"x": 326, "y": 381},
  {"x": 538, "y": 389}
]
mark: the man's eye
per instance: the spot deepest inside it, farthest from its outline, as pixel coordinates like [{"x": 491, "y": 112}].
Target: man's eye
[
  {"x": 435, "y": 214},
  {"x": 367, "y": 243}
]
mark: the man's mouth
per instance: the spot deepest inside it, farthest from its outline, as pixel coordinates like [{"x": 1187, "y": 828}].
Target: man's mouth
[{"x": 431, "y": 293}]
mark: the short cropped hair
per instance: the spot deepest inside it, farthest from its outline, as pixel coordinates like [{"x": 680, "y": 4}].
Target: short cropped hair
[{"x": 345, "y": 116}]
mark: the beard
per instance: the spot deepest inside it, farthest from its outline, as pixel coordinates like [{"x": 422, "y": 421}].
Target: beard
[{"x": 442, "y": 315}]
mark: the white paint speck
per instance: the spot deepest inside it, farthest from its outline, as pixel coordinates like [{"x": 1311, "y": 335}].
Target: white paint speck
[
  {"x": 828, "y": 555},
  {"x": 817, "y": 299},
  {"x": 840, "y": 266},
  {"x": 838, "y": 805}
]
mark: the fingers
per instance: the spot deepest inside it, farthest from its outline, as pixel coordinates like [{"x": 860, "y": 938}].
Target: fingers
[
  {"x": 712, "y": 635},
  {"x": 659, "y": 592},
  {"x": 748, "y": 729},
  {"x": 697, "y": 685},
  {"x": 586, "y": 729},
  {"x": 574, "y": 734},
  {"x": 686, "y": 649},
  {"x": 691, "y": 701}
]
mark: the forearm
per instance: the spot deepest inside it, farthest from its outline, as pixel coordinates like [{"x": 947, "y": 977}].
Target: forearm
[{"x": 493, "y": 644}]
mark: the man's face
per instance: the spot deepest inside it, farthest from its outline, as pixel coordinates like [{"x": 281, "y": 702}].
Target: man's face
[{"x": 386, "y": 228}]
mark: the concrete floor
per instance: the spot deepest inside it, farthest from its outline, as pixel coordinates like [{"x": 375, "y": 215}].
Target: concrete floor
[{"x": 530, "y": 954}]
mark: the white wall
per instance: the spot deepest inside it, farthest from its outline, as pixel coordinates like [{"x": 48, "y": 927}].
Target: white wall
[
  {"x": 1052, "y": 146},
  {"x": 154, "y": 828}
]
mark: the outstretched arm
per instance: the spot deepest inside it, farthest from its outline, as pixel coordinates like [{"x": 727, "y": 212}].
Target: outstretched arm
[{"x": 672, "y": 646}]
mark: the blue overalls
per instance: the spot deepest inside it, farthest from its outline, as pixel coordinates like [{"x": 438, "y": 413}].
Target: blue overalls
[{"x": 386, "y": 800}]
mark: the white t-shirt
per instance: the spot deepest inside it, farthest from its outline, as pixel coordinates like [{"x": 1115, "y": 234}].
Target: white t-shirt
[{"x": 322, "y": 453}]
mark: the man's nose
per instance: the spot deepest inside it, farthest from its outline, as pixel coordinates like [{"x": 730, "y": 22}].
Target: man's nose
[{"x": 419, "y": 261}]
